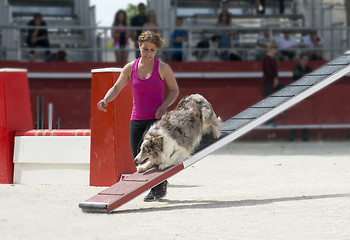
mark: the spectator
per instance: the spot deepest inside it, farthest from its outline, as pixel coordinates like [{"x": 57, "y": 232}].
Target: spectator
[
  {"x": 138, "y": 21},
  {"x": 312, "y": 42},
  {"x": 287, "y": 45},
  {"x": 121, "y": 36},
  {"x": 37, "y": 37},
  {"x": 61, "y": 56},
  {"x": 178, "y": 37},
  {"x": 263, "y": 7},
  {"x": 255, "y": 4},
  {"x": 224, "y": 21},
  {"x": 262, "y": 42},
  {"x": 299, "y": 71},
  {"x": 151, "y": 23},
  {"x": 270, "y": 73}
]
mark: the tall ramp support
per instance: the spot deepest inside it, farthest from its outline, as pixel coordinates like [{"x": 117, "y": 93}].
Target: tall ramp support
[
  {"x": 110, "y": 153},
  {"x": 15, "y": 114},
  {"x": 137, "y": 183}
]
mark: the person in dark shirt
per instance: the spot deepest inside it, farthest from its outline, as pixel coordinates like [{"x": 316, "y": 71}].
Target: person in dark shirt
[
  {"x": 270, "y": 73},
  {"x": 299, "y": 71},
  {"x": 37, "y": 37},
  {"x": 138, "y": 21},
  {"x": 178, "y": 37}
]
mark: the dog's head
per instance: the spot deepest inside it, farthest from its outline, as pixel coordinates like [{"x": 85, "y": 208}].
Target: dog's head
[{"x": 151, "y": 149}]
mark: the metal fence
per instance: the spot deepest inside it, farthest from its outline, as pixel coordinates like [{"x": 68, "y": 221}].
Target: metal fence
[{"x": 94, "y": 43}]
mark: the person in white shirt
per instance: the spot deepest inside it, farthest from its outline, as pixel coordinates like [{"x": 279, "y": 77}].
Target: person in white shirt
[
  {"x": 287, "y": 45},
  {"x": 313, "y": 42},
  {"x": 262, "y": 42}
]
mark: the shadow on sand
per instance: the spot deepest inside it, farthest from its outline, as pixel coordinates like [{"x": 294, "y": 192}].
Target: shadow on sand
[{"x": 205, "y": 204}]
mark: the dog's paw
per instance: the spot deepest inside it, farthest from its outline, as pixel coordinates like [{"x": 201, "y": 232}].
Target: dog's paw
[
  {"x": 140, "y": 168},
  {"x": 216, "y": 133},
  {"x": 163, "y": 166}
]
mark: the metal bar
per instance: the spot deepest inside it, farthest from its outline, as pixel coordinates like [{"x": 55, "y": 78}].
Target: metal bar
[
  {"x": 42, "y": 116},
  {"x": 308, "y": 126},
  {"x": 49, "y": 115},
  {"x": 37, "y": 112}
]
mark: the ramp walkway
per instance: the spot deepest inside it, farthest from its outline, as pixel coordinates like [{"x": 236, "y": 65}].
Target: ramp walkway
[{"x": 137, "y": 183}]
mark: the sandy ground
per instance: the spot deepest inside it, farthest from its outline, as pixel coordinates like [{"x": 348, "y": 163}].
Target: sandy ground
[{"x": 260, "y": 190}]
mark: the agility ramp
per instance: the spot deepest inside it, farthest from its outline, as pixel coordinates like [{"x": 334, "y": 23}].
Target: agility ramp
[{"x": 137, "y": 183}]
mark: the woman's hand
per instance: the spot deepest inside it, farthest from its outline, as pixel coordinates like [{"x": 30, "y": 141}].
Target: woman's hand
[
  {"x": 101, "y": 105},
  {"x": 160, "y": 111}
]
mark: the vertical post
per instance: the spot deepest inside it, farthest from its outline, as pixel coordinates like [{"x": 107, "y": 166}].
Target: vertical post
[
  {"x": 49, "y": 115},
  {"x": 110, "y": 154},
  {"x": 15, "y": 114}
]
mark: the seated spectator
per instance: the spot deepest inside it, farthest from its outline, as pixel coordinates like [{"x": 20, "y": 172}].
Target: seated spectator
[
  {"x": 60, "y": 56},
  {"x": 287, "y": 45},
  {"x": 178, "y": 37},
  {"x": 262, "y": 42},
  {"x": 37, "y": 37},
  {"x": 255, "y": 4},
  {"x": 263, "y": 6},
  {"x": 312, "y": 42},
  {"x": 224, "y": 20},
  {"x": 121, "y": 36},
  {"x": 151, "y": 22}
]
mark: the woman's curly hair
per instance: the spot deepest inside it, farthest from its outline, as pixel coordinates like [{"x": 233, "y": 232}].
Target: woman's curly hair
[{"x": 149, "y": 36}]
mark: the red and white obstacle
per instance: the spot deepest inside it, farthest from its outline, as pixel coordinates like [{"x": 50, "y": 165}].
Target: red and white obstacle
[
  {"x": 63, "y": 156},
  {"x": 52, "y": 157}
]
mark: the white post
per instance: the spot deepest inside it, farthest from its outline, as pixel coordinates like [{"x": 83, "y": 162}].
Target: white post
[{"x": 50, "y": 115}]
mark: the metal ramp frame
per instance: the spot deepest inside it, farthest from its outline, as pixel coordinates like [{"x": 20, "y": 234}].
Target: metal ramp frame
[{"x": 137, "y": 183}]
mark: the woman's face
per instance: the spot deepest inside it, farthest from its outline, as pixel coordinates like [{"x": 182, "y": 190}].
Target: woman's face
[
  {"x": 148, "y": 50},
  {"x": 121, "y": 17}
]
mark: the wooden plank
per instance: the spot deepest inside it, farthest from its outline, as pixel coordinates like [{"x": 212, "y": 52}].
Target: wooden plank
[
  {"x": 290, "y": 91},
  {"x": 326, "y": 70},
  {"x": 251, "y": 113},
  {"x": 270, "y": 102},
  {"x": 307, "y": 80}
]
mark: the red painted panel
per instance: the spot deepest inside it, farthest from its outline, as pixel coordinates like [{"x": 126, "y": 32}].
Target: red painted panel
[
  {"x": 110, "y": 151},
  {"x": 15, "y": 114},
  {"x": 100, "y": 198}
]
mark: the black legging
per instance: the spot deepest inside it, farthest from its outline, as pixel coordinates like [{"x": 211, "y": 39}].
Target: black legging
[{"x": 138, "y": 129}]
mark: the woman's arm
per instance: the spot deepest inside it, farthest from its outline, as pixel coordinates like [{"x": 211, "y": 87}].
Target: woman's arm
[
  {"x": 167, "y": 74},
  {"x": 113, "y": 92}
]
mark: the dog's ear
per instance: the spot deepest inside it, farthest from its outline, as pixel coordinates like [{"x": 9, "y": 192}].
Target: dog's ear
[
  {"x": 158, "y": 142},
  {"x": 181, "y": 103}
]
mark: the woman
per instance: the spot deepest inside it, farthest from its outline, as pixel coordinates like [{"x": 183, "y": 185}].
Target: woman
[
  {"x": 151, "y": 21},
  {"x": 148, "y": 77},
  {"x": 224, "y": 21},
  {"x": 120, "y": 36}
]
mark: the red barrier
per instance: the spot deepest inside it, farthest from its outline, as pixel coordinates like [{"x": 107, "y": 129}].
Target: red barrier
[
  {"x": 110, "y": 149},
  {"x": 15, "y": 114}
]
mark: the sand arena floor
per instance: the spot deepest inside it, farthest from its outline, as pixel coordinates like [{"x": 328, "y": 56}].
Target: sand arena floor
[{"x": 246, "y": 190}]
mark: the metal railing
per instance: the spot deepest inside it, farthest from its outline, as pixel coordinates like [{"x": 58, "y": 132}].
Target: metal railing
[{"x": 75, "y": 40}]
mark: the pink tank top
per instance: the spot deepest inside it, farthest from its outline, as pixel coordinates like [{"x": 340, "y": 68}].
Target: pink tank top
[{"x": 147, "y": 93}]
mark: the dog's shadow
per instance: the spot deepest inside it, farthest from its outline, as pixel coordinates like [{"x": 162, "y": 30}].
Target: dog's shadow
[{"x": 205, "y": 204}]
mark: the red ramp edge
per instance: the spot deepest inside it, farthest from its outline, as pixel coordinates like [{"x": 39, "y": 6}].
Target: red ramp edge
[{"x": 127, "y": 189}]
